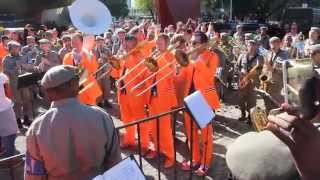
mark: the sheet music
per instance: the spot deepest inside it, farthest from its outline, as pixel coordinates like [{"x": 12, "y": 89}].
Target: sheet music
[
  {"x": 126, "y": 169},
  {"x": 199, "y": 108}
]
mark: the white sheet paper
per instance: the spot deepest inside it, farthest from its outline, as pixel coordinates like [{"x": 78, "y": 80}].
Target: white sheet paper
[
  {"x": 126, "y": 169},
  {"x": 199, "y": 108}
]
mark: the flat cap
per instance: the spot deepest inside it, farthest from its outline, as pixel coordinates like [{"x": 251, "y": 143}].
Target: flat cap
[
  {"x": 274, "y": 38},
  {"x": 13, "y": 44},
  {"x": 314, "y": 29},
  {"x": 260, "y": 156},
  {"x": 99, "y": 38},
  {"x": 58, "y": 75},
  {"x": 44, "y": 41}
]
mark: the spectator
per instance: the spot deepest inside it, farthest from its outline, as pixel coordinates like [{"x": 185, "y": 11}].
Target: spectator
[
  {"x": 9, "y": 127},
  {"x": 66, "y": 146}
]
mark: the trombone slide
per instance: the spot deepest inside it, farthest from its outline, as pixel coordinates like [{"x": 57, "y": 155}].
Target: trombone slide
[
  {"x": 152, "y": 75},
  {"x": 154, "y": 84}
]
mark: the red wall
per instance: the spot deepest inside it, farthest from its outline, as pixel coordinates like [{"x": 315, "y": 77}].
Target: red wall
[{"x": 171, "y": 11}]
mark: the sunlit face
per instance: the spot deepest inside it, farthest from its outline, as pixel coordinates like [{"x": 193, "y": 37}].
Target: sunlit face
[
  {"x": 161, "y": 44},
  {"x": 129, "y": 45},
  {"x": 45, "y": 47},
  {"x": 313, "y": 35},
  {"x": 76, "y": 42},
  {"x": 15, "y": 51},
  {"x": 275, "y": 45},
  {"x": 315, "y": 56},
  {"x": 252, "y": 48}
]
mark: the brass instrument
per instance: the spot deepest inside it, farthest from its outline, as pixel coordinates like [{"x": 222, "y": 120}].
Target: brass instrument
[
  {"x": 248, "y": 77},
  {"x": 259, "y": 118},
  {"x": 182, "y": 59}
]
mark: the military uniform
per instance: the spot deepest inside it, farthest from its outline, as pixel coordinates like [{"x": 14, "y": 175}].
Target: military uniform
[
  {"x": 247, "y": 95},
  {"x": 13, "y": 66},
  {"x": 276, "y": 83},
  {"x": 104, "y": 82},
  {"x": 63, "y": 51},
  {"x": 53, "y": 60},
  {"x": 263, "y": 41},
  {"x": 71, "y": 140},
  {"x": 30, "y": 52}
]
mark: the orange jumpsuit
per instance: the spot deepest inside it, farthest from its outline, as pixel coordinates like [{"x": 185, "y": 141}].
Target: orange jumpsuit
[
  {"x": 3, "y": 53},
  {"x": 91, "y": 94},
  {"x": 163, "y": 99},
  {"x": 148, "y": 48},
  {"x": 131, "y": 105},
  {"x": 199, "y": 75}
]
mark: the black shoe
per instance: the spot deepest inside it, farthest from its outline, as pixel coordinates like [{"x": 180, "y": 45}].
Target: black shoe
[
  {"x": 19, "y": 123},
  {"x": 26, "y": 121},
  {"x": 107, "y": 104},
  {"x": 100, "y": 104}
]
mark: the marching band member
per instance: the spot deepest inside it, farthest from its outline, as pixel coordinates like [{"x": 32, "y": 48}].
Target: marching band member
[
  {"x": 246, "y": 62},
  {"x": 131, "y": 105},
  {"x": 3, "y": 49},
  {"x": 200, "y": 76},
  {"x": 312, "y": 40},
  {"x": 272, "y": 68},
  {"x": 14, "y": 64},
  {"x": 47, "y": 58},
  {"x": 163, "y": 99},
  {"x": 71, "y": 140},
  {"x": 88, "y": 61}
]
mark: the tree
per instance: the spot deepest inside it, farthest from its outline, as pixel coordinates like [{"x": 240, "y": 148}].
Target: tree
[
  {"x": 118, "y": 8},
  {"x": 146, "y": 6}
]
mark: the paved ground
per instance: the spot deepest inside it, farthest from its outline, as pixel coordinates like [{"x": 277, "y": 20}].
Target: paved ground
[{"x": 226, "y": 129}]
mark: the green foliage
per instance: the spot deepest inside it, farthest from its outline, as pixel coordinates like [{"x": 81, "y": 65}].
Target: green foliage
[
  {"x": 144, "y": 5},
  {"x": 118, "y": 8}
]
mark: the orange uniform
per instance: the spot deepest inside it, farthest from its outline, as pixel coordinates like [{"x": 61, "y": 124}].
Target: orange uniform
[
  {"x": 131, "y": 105},
  {"x": 148, "y": 48},
  {"x": 91, "y": 94},
  {"x": 199, "y": 75},
  {"x": 163, "y": 99},
  {"x": 3, "y": 53}
]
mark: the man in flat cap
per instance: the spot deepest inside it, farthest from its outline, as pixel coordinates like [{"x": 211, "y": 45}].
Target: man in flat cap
[
  {"x": 272, "y": 69},
  {"x": 238, "y": 35},
  {"x": 102, "y": 52},
  {"x": 313, "y": 39},
  {"x": 263, "y": 37},
  {"x": 14, "y": 64},
  {"x": 66, "y": 48},
  {"x": 31, "y": 49},
  {"x": 71, "y": 140},
  {"x": 119, "y": 42},
  {"x": 249, "y": 61},
  {"x": 46, "y": 58}
]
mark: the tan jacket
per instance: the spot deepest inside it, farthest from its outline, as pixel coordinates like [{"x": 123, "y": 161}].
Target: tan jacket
[{"x": 71, "y": 141}]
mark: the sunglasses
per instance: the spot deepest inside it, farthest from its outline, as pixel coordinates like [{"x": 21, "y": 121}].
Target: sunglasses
[{"x": 195, "y": 43}]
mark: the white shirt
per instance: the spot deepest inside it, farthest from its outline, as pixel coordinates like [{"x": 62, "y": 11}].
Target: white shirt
[{"x": 5, "y": 102}]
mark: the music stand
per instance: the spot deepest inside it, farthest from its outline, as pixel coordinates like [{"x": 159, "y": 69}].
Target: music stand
[{"x": 199, "y": 109}]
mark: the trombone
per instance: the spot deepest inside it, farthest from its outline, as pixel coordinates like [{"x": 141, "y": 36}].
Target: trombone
[
  {"x": 182, "y": 59},
  {"x": 150, "y": 63}
]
